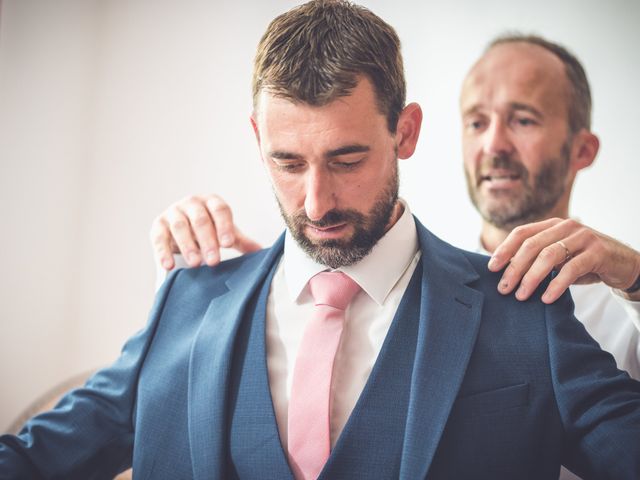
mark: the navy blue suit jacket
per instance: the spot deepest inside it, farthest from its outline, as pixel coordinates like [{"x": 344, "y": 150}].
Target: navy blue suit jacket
[{"x": 497, "y": 386}]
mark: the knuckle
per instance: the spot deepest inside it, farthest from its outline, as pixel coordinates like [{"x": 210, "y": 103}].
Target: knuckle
[
  {"x": 590, "y": 235},
  {"x": 195, "y": 201},
  {"x": 578, "y": 264},
  {"x": 521, "y": 233},
  {"x": 518, "y": 231},
  {"x": 529, "y": 245},
  {"x": 188, "y": 200},
  {"x": 574, "y": 225},
  {"x": 201, "y": 220},
  {"x": 219, "y": 207},
  {"x": 548, "y": 253},
  {"x": 179, "y": 224}
]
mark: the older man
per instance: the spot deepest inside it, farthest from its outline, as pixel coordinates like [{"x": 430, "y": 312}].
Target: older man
[{"x": 359, "y": 345}]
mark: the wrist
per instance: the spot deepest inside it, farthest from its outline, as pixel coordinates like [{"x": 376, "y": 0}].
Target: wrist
[
  {"x": 635, "y": 287},
  {"x": 633, "y": 292}
]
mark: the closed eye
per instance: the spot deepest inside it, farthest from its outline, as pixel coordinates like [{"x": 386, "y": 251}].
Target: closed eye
[
  {"x": 347, "y": 165},
  {"x": 290, "y": 167}
]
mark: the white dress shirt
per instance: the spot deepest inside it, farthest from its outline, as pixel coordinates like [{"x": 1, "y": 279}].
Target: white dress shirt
[
  {"x": 612, "y": 321},
  {"x": 383, "y": 276}
]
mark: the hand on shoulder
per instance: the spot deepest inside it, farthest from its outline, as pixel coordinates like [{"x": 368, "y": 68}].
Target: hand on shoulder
[
  {"x": 197, "y": 226},
  {"x": 577, "y": 253}
]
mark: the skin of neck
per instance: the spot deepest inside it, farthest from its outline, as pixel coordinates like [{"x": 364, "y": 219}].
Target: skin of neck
[{"x": 398, "y": 210}]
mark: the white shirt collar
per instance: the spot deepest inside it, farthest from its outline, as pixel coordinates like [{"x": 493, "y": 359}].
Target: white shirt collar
[{"x": 376, "y": 274}]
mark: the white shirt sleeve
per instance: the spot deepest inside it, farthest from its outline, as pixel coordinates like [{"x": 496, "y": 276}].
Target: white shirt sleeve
[
  {"x": 612, "y": 321},
  {"x": 631, "y": 307}
]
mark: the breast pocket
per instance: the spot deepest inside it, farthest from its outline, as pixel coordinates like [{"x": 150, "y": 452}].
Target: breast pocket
[
  {"x": 494, "y": 401},
  {"x": 489, "y": 434}
]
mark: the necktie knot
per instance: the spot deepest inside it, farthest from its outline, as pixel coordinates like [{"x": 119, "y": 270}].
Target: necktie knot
[{"x": 334, "y": 289}]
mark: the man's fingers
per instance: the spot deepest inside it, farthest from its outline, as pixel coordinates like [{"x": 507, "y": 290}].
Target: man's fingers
[
  {"x": 163, "y": 244},
  {"x": 197, "y": 227},
  {"x": 517, "y": 238},
  {"x": 555, "y": 256},
  {"x": 530, "y": 264},
  {"x": 578, "y": 253},
  {"x": 204, "y": 230},
  {"x": 544, "y": 247},
  {"x": 183, "y": 236},
  {"x": 570, "y": 273},
  {"x": 223, "y": 219}
]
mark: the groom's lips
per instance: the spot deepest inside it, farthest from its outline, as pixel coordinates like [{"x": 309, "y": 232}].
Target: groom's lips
[{"x": 327, "y": 233}]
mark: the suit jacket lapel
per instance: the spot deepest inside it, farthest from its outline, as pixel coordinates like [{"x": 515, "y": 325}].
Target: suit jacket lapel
[
  {"x": 210, "y": 364},
  {"x": 450, "y": 317}
]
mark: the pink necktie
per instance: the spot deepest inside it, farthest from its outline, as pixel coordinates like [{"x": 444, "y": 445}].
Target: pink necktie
[{"x": 309, "y": 443}]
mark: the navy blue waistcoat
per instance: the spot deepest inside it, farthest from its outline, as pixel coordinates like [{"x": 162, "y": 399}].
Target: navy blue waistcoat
[{"x": 370, "y": 445}]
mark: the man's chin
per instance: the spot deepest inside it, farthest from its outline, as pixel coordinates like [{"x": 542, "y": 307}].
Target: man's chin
[
  {"x": 336, "y": 257},
  {"x": 507, "y": 220},
  {"x": 501, "y": 206},
  {"x": 496, "y": 198},
  {"x": 327, "y": 248},
  {"x": 333, "y": 253}
]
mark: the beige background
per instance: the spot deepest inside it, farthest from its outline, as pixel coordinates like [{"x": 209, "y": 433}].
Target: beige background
[{"x": 111, "y": 109}]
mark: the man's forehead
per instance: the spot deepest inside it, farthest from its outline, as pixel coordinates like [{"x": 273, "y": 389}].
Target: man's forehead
[
  {"x": 349, "y": 125},
  {"x": 357, "y": 108},
  {"x": 516, "y": 73},
  {"x": 279, "y": 113},
  {"x": 520, "y": 53}
]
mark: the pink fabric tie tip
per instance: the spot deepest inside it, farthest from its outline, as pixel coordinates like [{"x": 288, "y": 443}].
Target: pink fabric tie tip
[{"x": 309, "y": 442}]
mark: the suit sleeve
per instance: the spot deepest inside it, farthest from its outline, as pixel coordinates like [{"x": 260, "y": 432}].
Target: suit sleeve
[
  {"x": 89, "y": 434},
  {"x": 599, "y": 404}
]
